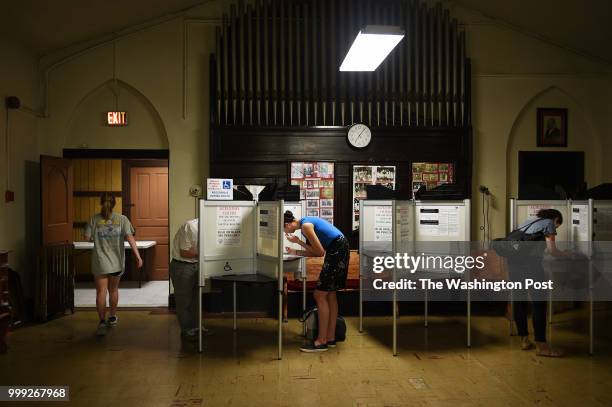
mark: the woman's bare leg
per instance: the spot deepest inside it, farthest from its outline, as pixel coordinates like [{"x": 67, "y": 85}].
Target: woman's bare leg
[
  {"x": 101, "y": 291},
  {"x": 113, "y": 294},
  {"x": 332, "y": 300},
  {"x": 323, "y": 314}
]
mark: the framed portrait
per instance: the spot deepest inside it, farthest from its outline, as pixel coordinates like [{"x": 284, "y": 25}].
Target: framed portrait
[{"x": 551, "y": 127}]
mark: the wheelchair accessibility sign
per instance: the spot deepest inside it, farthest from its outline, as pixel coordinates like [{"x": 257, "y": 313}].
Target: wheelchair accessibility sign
[{"x": 219, "y": 189}]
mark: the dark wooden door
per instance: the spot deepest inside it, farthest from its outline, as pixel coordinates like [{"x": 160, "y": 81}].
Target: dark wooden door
[
  {"x": 149, "y": 214},
  {"x": 56, "y": 200}
]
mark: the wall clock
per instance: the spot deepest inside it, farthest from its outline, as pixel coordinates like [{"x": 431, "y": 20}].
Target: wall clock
[{"x": 359, "y": 135}]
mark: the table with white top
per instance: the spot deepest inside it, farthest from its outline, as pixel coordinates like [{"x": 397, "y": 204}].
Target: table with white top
[{"x": 144, "y": 245}]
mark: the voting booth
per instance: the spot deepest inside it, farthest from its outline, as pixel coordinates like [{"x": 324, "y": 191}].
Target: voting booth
[
  {"x": 387, "y": 227},
  {"x": 242, "y": 242},
  {"x": 577, "y": 233}
]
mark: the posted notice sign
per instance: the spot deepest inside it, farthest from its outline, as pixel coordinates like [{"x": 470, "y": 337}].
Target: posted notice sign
[{"x": 219, "y": 189}]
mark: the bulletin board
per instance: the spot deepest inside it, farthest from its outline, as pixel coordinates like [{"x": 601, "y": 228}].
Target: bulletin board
[
  {"x": 364, "y": 175},
  {"x": 432, "y": 175},
  {"x": 316, "y": 182}
]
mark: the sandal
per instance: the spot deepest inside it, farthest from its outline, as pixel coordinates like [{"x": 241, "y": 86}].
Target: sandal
[
  {"x": 546, "y": 351},
  {"x": 526, "y": 344}
]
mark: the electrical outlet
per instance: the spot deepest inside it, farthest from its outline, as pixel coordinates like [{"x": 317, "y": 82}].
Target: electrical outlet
[{"x": 9, "y": 196}]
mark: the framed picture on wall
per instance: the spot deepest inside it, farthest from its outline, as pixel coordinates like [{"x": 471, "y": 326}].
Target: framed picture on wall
[{"x": 551, "y": 127}]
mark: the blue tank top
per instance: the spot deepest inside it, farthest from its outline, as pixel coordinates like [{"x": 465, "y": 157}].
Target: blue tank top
[{"x": 325, "y": 231}]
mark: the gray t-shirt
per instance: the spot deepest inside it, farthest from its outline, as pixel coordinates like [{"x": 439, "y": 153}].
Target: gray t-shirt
[
  {"x": 547, "y": 226},
  {"x": 108, "y": 236}
]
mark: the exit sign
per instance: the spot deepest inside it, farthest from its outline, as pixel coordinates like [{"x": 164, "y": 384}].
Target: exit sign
[{"x": 116, "y": 118}]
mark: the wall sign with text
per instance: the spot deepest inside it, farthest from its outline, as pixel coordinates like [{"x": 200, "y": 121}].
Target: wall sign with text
[{"x": 116, "y": 119}]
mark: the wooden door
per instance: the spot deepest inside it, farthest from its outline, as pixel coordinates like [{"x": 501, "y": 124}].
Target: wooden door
[
  {"x": 149, "y": 214},
  {"x": 56, "y": 200}
]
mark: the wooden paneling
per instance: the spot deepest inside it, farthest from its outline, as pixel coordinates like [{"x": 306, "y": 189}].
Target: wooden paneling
[{"x": 91, "y": 178}]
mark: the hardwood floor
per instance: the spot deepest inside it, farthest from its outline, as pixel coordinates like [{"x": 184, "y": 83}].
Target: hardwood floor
[{"x": 143, "y": 362}]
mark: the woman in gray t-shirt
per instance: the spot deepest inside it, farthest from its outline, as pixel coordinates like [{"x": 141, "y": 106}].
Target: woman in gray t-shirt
[
  {"x": 108, "y": 231},
  {"x": 546, "y": 223}
]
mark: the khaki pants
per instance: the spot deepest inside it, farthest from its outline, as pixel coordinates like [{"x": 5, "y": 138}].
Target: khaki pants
[{"x": 185, "y": 281}]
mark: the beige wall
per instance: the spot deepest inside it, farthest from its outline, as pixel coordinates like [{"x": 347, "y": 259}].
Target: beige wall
[
  {"x": 149, "y": 68},
  {"x": 163, "y": 82},
  {"x": 513, "y": 73},
  {"x": 18, "y": 77}
]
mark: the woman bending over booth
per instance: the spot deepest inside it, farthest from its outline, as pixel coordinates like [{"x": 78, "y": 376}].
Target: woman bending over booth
[{"x": 322, "y": 239}]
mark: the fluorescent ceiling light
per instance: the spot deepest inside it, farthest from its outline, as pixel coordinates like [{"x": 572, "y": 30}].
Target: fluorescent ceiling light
[{"x": 371, "y": 47}]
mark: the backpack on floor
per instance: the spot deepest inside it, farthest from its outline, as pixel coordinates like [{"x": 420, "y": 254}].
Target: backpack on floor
[{"x": 311, "y": 320}]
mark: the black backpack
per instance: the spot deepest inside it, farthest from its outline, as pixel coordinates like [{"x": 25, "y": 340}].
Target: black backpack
[
  {"x": 520, "y": 244},
  {"x": 311, "y": 318}
]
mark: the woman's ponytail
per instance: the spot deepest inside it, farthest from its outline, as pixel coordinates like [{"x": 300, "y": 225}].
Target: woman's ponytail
[{"x": 107, "y": 200}]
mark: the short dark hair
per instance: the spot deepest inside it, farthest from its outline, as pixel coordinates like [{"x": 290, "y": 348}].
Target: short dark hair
[
  {"x": 288, "y": 217},
  {"x": 550, "y": 214}
]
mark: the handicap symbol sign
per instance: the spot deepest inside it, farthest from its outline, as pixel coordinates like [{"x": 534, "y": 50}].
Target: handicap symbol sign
[
  {"x": 227, "y": 184},
  {"x": 227, "y": 266}
]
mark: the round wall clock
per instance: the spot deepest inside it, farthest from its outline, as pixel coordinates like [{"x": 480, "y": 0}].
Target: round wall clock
[{"x": 359, "y": 135}]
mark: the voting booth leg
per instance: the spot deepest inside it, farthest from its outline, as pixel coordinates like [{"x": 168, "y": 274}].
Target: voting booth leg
[
  {"x": 591, "y": 316},
  {"x": 234, "y": 305},
  {"x": 200, "y": 319},
  {"x": 469, "y": 320},
  {"x": 360, "y": 304},
  {"x": 425, "y": 311},
  {"x": 280, "y": 325},
  {"x": 394, "y": 323},
  {"x": 304, "y": 287}
]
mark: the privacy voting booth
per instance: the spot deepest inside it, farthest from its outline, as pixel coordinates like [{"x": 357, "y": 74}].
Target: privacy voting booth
[
  {"x": 387, "y": 227},
  {"x": 242, "y": 242},
  {"x": 585, "y": 222}
]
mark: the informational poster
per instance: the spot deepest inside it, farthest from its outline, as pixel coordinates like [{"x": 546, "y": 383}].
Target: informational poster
[
  {"x": 316, "y": 182},
  {"x": 403, "y": 216},
  {"x": 229, "y": 222},
  {"x": 580, "y": 222},
  {"x": 431, "y": 175},
  {"x": 268, "y": 224},
  {"x": 383, "y": 223},
  {"x": 218, "y": 189},
  {"x": 532, "y": 210},
  {"x": 439, "y": 221},
  {"x": 364, "y": 175}
]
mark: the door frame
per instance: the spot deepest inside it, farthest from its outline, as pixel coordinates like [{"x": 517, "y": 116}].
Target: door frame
[{"x": 135, "y": 158}]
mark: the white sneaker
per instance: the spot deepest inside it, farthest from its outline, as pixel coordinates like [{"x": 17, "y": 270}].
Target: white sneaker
[
  {"x": 102, "y": 329},
  {"x": 112, "y": 320}
]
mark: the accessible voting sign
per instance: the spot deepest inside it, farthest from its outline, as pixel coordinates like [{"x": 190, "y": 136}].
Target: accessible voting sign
[{"x": 219, "y": 189}]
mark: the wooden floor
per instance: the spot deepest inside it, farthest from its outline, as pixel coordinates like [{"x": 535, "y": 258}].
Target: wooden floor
[{"x": 142, "y": 362}]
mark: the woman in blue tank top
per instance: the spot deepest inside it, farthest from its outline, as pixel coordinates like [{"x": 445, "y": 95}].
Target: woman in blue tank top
[{"x": 322, "y": 239}]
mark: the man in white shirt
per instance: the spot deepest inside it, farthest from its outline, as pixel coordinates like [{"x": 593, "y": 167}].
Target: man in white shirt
[{"x": 184, "y": 275}]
